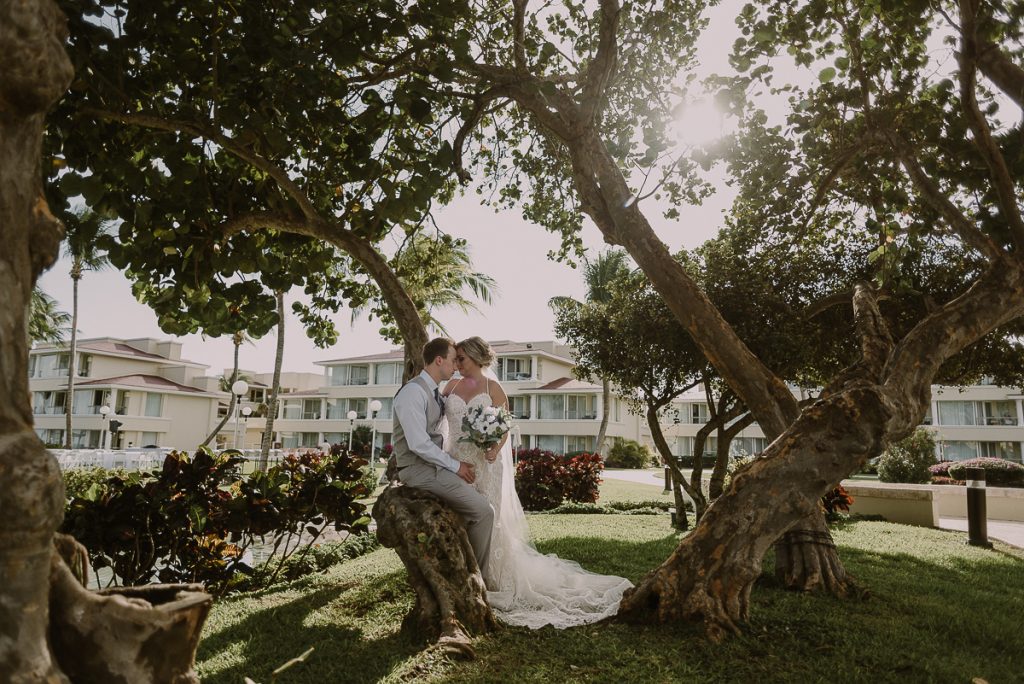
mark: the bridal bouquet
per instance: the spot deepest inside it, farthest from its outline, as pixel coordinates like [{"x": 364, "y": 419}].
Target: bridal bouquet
[{"x": 485, "y": 425}]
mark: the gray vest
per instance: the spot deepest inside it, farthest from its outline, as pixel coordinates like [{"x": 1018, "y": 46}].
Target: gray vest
[{"x": 403, "y": 455}]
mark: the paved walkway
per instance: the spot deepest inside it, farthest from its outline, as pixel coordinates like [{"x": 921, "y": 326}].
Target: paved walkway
[{"x": 1006, "y": 531}]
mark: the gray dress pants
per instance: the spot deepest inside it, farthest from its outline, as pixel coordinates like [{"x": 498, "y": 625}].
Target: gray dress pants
[{"x": 461, "y": 496}]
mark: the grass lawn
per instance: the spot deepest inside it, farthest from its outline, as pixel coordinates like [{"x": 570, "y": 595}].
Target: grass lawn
[{"x": 940, "y": 611}]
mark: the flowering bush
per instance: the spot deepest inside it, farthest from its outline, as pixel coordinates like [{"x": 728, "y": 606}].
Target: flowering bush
[
  {"x": 943, "y": 480},
  {"x": 998, "y": 471},
  {"x": 940, "y": 469},
  {"x": 545, "y": 479},
  {"x": 908, "y": 460},
  {"x": 836, "y": 502}
]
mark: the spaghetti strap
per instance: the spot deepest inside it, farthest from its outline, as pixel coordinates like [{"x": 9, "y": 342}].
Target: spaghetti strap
[{"x": 454, "y": 386}]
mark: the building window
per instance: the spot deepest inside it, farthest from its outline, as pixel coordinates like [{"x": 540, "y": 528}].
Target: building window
[
  {"x": 958, "y": 451},
  {"x": 514, "y": 368},
  {"x": 1000, "y": 412},
  {"x": 699, "y": 414},
  {"x": 579, "y": 443},
  {"x": 123, "y": 399},
  {"x": 291, "y": 410},
  {"x": 337, "y": 409},
  {"x": 154, "y": 405},
  {"x": 551, "y": 407},
  {"x": 1008, "y": 450},
  {"x": 49, "y": 403},
  {"x": 308, "y": 439},
  {"x": 53, "y": 439},
  {"x": 387, "y": 374},
  {"x": 747, "y": 446},
  {"x": 311, "y": 410},
  {"x": 957, "y": 413},
  {"x": 350, "y": 375},
  {"x": 520, "y": 407},
  {"x": 580, "y": 407},
  {"x": 555, "y": 443},
  {"x": 84, "y": 365},
  {"x": 336, "y": 437},
  {"x": 150, "y": 439}
]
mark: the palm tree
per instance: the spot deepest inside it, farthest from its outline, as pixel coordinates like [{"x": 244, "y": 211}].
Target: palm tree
[
  {"x": 83, "y": 230},
  {"x": 275, "y": 385},
  {"x": 598, "y": 275},
  {"x": 46, "y": 323},
  {"x": 437, "y": 273},
  {"x": 225, "y": 386}
]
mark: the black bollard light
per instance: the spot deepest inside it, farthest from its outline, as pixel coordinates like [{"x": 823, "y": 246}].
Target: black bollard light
[
  {"x": 672, "y": 512},
  {"x": 977, "y": 514},
  {"x": 668, "y": 479}
]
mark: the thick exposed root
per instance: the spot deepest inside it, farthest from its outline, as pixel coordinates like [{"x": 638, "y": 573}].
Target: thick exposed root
[
  {"x": 451, "y": 600},
  {"x": 135, "y": 635},
  {"x": 806, "y": 559}
]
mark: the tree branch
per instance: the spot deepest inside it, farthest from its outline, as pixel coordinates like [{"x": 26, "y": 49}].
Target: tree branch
[
  {"x": 1001, "y": 70},
  {"x": 931, "y": 194},
  {"x": 602, "y": 68},
  {"x": 875, "y": 339},
  {"x": 257, "y": 161},
  {"x": 990, "y": 152},
  {"x": 471, "y": 122},
  {"x": 519, "y": 34}
]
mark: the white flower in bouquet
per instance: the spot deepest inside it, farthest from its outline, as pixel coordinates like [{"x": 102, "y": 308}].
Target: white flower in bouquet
[{"x": 485, "y": 425}]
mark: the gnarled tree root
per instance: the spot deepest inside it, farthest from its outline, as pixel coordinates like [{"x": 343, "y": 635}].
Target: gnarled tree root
[
  {"x": 451, "y": 600},
  {"x": 129, "y": 635}
]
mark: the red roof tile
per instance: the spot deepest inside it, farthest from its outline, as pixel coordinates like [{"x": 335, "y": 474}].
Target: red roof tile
[{"x": 147, "y": 381}]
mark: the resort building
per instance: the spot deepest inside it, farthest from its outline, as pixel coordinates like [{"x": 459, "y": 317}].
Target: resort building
[
  {"x": 154, "y": 396},
  {"x": 160, "y": 399}
]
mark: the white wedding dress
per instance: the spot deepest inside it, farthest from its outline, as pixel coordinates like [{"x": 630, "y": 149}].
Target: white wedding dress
[{"x": 525, "y": 587}]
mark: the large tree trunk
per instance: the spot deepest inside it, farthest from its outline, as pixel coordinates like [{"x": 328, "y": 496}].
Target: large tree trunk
[
  {"x": 69, "y": 399},
  {"x": 36, "y": 71},
  {"x": 695, "y": 493},
  {"x": 451, "y": 601},
  {"x": 275, "y": 387},
  {"x": 710, "y": 575}
]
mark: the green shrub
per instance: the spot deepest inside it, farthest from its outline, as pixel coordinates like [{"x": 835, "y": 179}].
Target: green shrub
[
  {"x": 998, "y": 471},
  {"x": 909, "y": 459},
  {"x": 193, "y": 519},
  {"x": 78, "y": 481},
  {"x": 628, "y": 453}
]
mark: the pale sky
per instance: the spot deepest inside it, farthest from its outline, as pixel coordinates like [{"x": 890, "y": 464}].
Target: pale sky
[{"x": 503, "y": 245}]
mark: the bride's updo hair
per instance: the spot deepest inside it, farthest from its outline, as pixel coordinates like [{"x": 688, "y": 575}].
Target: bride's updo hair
[{"x": 477, "y": 349}]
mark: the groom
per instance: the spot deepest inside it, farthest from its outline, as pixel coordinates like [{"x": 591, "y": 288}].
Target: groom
[{"x": 418, "y": 409}]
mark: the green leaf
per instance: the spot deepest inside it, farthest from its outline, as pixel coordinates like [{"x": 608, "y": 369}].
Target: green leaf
[{"x": 826, "y": 74}]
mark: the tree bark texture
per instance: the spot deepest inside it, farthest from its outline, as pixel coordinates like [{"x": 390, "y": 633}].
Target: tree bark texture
[
  {"x": 451, "y": 600},
  {"x": 122, "y": 635},
  {"x": 35, "y": 72}
]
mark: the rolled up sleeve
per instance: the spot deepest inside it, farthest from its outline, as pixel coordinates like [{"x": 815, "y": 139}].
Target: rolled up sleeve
[{"x": 410, "y": 406}]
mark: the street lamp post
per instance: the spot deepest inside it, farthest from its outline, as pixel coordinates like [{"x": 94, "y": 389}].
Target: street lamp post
[
  {"x": 375, "y": 406},
  {"x": 352, "y": 415},
  {"x": 246, "y": 412},
  {"x": 105, "y": 412},
  {"x": 239, "y": 388}
]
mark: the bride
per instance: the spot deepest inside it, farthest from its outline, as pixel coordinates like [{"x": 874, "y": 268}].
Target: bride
[{"x": 525, "y": 588}]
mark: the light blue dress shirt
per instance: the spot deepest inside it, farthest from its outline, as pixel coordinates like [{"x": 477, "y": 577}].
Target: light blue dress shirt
[{"x": 410, "y": 406}]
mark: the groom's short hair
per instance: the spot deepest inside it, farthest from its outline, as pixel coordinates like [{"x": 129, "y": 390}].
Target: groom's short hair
[{"x": 438, "y": 346}]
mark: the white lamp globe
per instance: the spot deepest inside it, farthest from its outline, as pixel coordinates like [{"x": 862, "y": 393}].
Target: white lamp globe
[
  {"x": 239, "y": 387},
  {"x": 246, "y": 411},
  {"x": 352, "y": 415},
  {"x": 104, "y": 411},
  {"x": 375, "y": 406}
]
